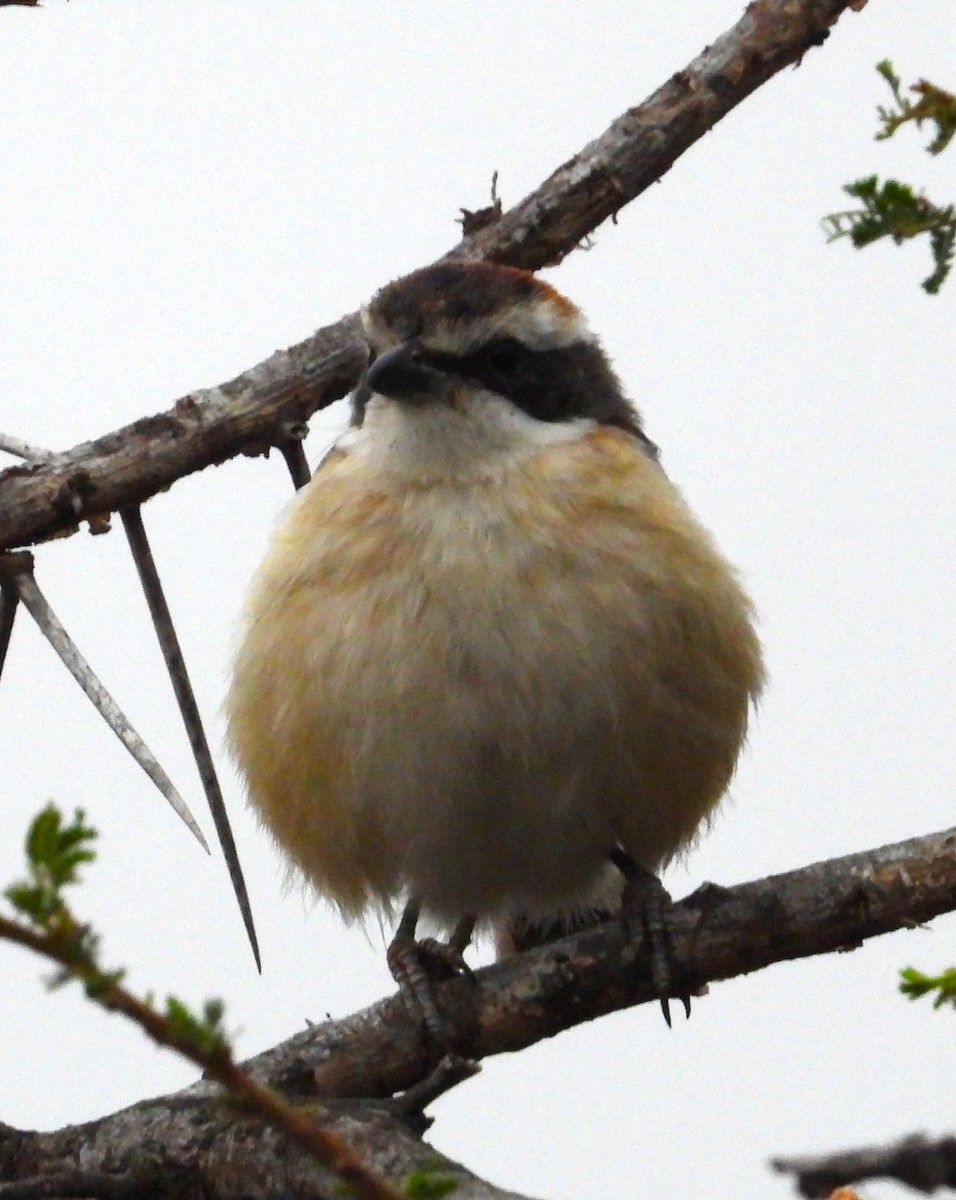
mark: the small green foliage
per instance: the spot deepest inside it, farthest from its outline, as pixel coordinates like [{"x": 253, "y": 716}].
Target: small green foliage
[
  {"x": 54, "y": 853},
  {"x": 893, "y": 209},
  {"x": 429, "y": 1185},
  {"x": 205, "y": 1033},
  {"x": 942, "y": 241},
  {"x": 915, "y": 984},
  {"x": 934, "y": 105}
]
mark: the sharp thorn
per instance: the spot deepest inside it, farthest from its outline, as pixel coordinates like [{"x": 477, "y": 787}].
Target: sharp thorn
[
  {"x": 8, "y": 610},
  {"x": 186, "y": 700},
  {"x": 294, "y": 454},
  {"x": 38, "y": 608}
]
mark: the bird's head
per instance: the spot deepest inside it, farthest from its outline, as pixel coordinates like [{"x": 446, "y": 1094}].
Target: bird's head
[{"x": 479, "y": 338}]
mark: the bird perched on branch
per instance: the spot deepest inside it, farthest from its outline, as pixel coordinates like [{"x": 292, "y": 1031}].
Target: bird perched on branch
[{"x": 491, "y": 660}]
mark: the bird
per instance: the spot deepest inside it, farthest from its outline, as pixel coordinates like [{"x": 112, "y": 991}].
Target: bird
[{"x": 492, "y": 671}]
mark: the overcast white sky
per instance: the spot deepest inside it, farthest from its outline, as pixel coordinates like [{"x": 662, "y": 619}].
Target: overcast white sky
[{"x": 185, "y": 187}]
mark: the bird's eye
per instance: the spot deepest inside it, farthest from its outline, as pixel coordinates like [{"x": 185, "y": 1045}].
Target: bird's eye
[{"x": 504, "y": 356}]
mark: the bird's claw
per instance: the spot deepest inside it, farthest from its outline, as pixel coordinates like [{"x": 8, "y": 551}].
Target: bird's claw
[
  {"x": 418, "y": 964},
  {"x": 444, "y": 959},
  {"x": 645, "y": 904}
]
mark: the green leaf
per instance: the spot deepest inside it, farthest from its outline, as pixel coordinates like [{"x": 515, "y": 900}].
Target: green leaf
[
  {"x": 934, "y": 105},
  {"x": 54, "y": 853},
  {"x": 942, "y": 240},
  {"x": 42, "y": 836},
  {"x": 915, "y": 984},
  {"x": 894, "y": 209},
  {"x": 204, "y": 1032}
]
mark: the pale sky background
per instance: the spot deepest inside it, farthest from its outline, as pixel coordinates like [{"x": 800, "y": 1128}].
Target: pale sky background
[{"x": 185, "y": 187}]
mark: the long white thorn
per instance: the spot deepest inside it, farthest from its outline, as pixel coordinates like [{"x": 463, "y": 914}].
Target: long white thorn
[
  {"x": 21, "y": 449},
  {"x": 36, "y": 604}
]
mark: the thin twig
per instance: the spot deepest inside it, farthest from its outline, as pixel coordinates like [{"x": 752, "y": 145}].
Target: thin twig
[
  {"x": 17, "y": 570},
  {"x": 451, "y": 1070},
  {"x": 218, "y": 1064},
  {"x": 186, "y": 699},
  {"x": 919, "y": 1162}
]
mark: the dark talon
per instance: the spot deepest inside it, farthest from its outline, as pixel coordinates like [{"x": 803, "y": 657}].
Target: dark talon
[
  {"x": 644, "y": 903},
  {"x": 415, "y": 987},
  {"x": 446, "y": 959},
  {"x": 417, "y": 965}
]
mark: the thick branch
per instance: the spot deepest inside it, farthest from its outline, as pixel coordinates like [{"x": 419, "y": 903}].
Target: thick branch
[
  {"x": 347, "y": 1070},
  {"x": 715, "y": 934},
  {"x": 192, "y": 1144},
  {"x": 40, "y": 500}
]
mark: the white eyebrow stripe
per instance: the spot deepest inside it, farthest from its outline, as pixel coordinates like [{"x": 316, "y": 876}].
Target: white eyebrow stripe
[{"x": 540, "y": 325}]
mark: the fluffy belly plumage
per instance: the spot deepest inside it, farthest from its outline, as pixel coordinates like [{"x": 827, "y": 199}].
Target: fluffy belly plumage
[{"x": 471, "y": 692}]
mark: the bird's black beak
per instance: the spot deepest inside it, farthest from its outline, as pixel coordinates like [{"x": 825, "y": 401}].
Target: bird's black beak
[{"x": 403, "y": 373}]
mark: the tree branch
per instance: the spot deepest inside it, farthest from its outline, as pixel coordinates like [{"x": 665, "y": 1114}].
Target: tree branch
[
  {"x": 247, "y": 415},
  {"x": 918, "y": 1162},
  {"x": 255, "y": 411},
  {"x": 716, "y": 933},
  {"x": 347, "y": 1071},
  {"x": 645, "y": 142},
  {"x": 192, "y": 1144}
]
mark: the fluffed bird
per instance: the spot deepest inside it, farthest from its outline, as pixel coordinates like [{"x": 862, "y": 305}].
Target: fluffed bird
[{"x": 491, "y": 658}]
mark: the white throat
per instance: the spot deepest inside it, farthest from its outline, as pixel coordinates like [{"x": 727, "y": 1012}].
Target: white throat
[{"x": 478, "y": 435}]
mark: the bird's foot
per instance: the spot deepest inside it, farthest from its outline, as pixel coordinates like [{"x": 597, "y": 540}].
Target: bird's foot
[
  {"x": 418, "y": 964},
  {"x": 644, "y": 906}
]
